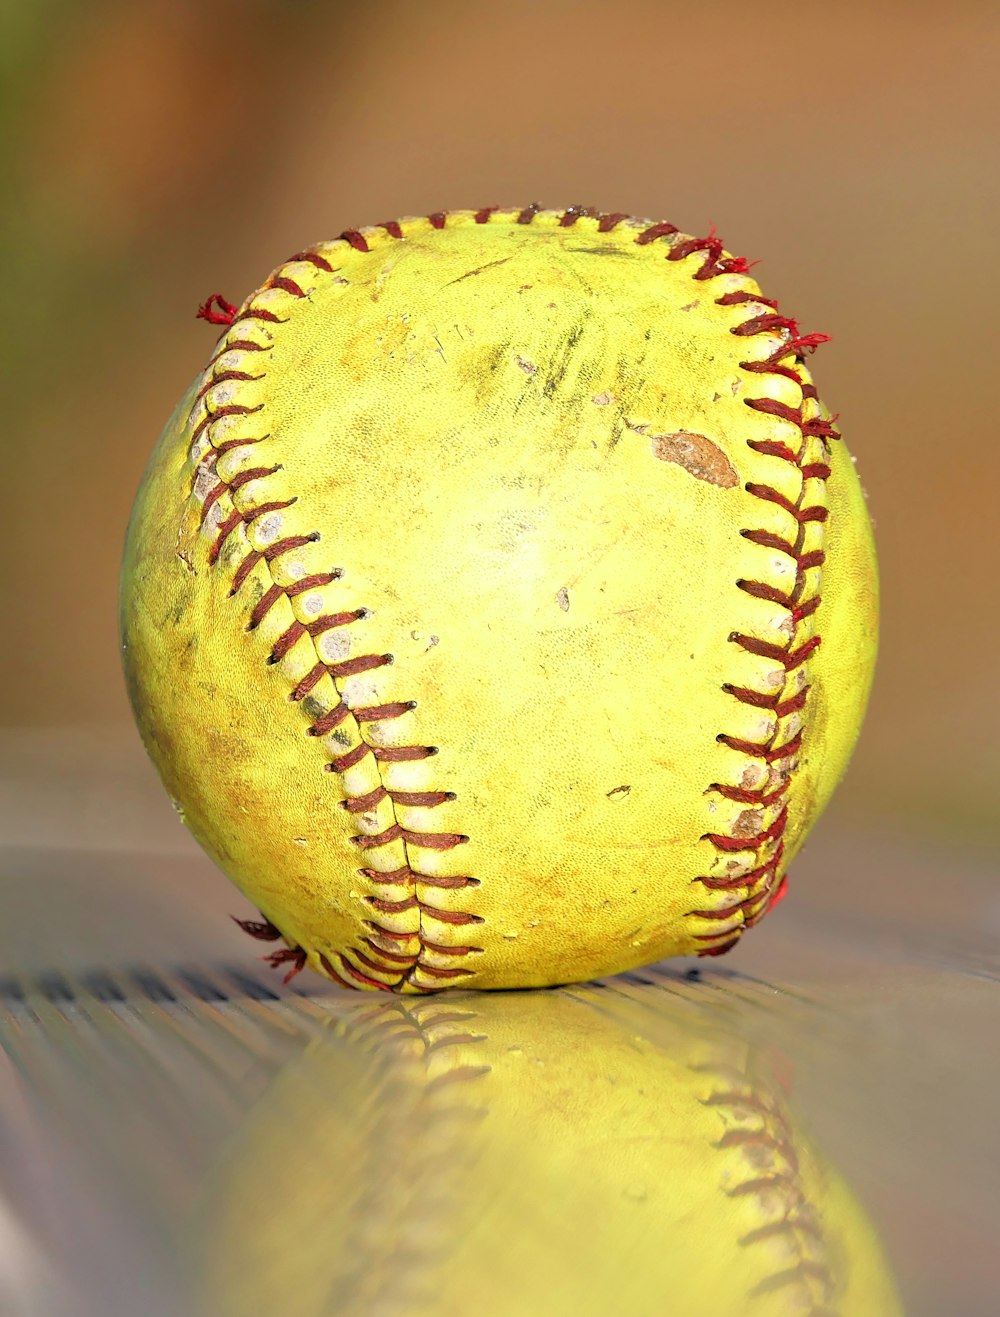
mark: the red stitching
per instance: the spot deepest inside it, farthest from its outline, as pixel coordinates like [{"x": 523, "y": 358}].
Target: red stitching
[
  {"x": 285, "y": 284},
  {"x": 308, "y": 682},
  {"x": 278, "y": 958},
  {"x": 790, "y": 659},
  {"x": 285, "y": 642},
  {"x": 229, "y": 444},
  {"x": 343, "y": 762},
  {"x": 262, "y": 509},
  {"x": 396, "y": 956},
  {"x": 401, "y": 753},
  {"x": 259, "y": 313},
  {"x": 432, "y": 841},
  {"x": 359, "y": 804},
  {"x": 737, "y": 298},
  {"x": 761, "y": 882},
  {"x": 327, "y": 722},
  {"x": 741, "y": 878},
  {"x": 223, "y": 316},
  {"x": 766, "y": 700},
  {"x": 332, "y": 973},
  {"x": 315, "y": 582},
  {"x": 263, "y": 931},
  {"x": 263, "y": 605},
  {"x": 425, "y": 799},
  {"x": 383, "y": 712},
  {"x": 390, "y": 907},
  {"x": 442, "y": 950},
  {"x": 225, "y": 530},
  {"x": 775, "y": 496},
  {"x": 314, "y": 258},
  {"x": 766, "y": 324},
  {"x": 439, "y": 972},
  {"x": 223, "y": 377},
  {"x": 770, "y": 754},
  {"x": 662, "y": 230},
  {"x": 755, "y": 1126},
  {"x": 231, "y": 409},
  {"x": 773, "y": 448},
  {"x": 724, "y": 842},
  {"x": 357, "y": 975},
  {"x": 242, "y": 345}
]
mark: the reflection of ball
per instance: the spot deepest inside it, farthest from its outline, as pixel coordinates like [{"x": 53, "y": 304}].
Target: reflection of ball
[
  {"x": 575, "y": 1154},
  {"x": 472, "y": 608}
]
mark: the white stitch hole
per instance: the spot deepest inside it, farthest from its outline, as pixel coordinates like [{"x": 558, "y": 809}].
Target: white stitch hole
[
  {"x": 213, "y": 520},
  {"x": 205, "y": 480},
  {"x": 783, "y": 567},
  {"x": 267, "y": 529},
  {"x": 272, "y": 299},
  {"x": 334, "y": 645},
  {"x": 359, "y": 691},
  {"x": 219, "y": 395},
  {"x": 753, "y": 776},
  {"x": 199, "y": 448},
  {"x": 198, "y": 413},
  {"x": 232, "y": 360},
  {"x": 223, "y": 428},
  {"x": 763, "y": 729}
]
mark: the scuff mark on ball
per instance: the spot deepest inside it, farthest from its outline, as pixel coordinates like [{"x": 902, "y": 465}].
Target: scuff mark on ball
[{"x": 698, "y": 456}]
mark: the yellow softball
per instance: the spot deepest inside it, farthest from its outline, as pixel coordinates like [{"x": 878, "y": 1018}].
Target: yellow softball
[{"x": 499, "y": 605}]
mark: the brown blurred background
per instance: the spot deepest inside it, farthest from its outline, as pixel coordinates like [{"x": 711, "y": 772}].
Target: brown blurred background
[{"x": 158, "y": 150}]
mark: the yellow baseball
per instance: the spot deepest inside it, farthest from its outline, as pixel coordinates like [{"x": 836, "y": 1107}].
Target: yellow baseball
[{"x": 499, "y": 605}]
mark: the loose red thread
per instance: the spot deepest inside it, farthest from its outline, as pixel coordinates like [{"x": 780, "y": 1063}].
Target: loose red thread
[
  {"x": 384, "y": 943},
  {"x": 225, "y": 314}
]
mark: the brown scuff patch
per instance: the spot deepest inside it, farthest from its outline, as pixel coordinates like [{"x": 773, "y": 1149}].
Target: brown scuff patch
[
  {"x": 749, "y": 824},
  {"x": 698, "y": 456}
]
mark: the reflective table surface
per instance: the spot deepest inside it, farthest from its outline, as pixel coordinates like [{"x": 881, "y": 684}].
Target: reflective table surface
[{"x": 807, "y": 1126}]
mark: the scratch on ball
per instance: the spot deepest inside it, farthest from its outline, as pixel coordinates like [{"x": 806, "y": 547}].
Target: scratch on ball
[
  {"x": 698, "y": 456},
  {"x": 562, "y": 599}
]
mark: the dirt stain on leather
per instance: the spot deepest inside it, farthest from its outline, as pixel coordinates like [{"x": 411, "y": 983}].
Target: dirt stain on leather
[{"x": 698, "y": 456}]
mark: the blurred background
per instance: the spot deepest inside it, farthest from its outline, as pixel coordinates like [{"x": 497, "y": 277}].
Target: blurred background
[{"x": 156, "y": 151}]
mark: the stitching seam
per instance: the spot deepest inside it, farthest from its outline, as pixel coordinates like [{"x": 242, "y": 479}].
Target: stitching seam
[
  {"x": 758, "y": 1125},
  {"x": 402, "y": 963}
]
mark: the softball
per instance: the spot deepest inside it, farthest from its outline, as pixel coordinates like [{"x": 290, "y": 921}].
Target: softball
[{"x": 499, "y": 605}]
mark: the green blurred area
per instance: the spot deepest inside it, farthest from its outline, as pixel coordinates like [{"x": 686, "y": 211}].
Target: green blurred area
[{"x": 155, "y": 152}]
